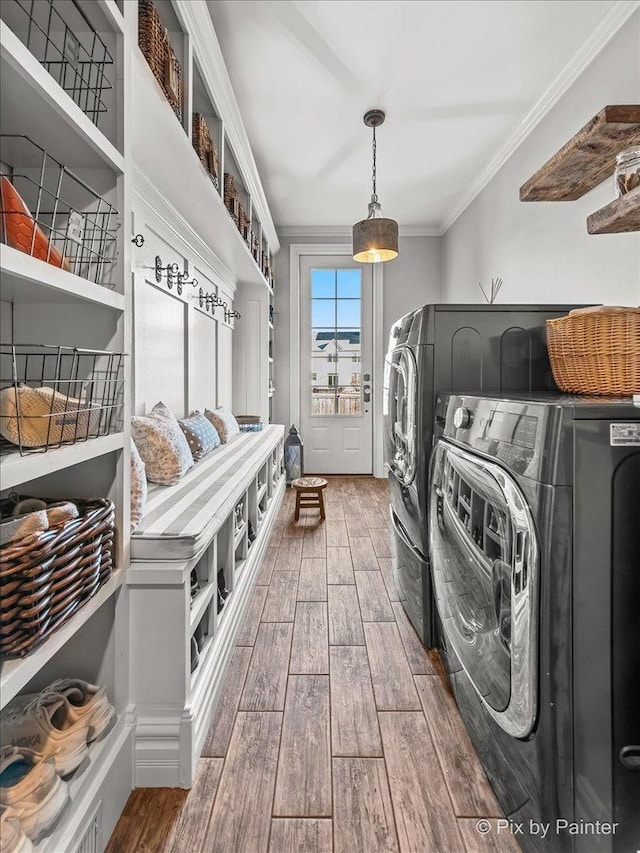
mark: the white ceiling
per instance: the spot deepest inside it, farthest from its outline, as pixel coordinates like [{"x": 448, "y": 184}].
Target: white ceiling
[{"x": 455, "y": 79}]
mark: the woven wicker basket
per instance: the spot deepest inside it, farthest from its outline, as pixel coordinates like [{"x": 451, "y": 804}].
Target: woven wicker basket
[
  {"x": 153, "y": 40},
  {"x": 205, "y": 147},
  {"x": 596, "y": 351},
  {"x": 45, "y": 578},
  {"x": 231, "y": 198}
]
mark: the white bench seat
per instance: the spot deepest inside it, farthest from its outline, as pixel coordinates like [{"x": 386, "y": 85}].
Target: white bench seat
[{"x": 179, "y": 520}]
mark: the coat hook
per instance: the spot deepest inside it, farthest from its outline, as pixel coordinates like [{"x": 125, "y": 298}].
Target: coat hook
[
  {"x": 138, "y": 240},
  {"x": 228, "y": 315}
]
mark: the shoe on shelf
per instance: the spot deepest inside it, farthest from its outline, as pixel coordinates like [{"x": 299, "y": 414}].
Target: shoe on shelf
[
  {"x": 89, "y": 702},
  {"x": 251, "y": 534},
  {"x": 31, "y": 793},
  {"x": 195, "y": 584},
  {"x": 223, "y": 592},
  {"x": 195, "y": 657},
  {"x": 12, "y": 838},
  {"x": 199, "y": 636},
  {"x": 49, "y": 725}
]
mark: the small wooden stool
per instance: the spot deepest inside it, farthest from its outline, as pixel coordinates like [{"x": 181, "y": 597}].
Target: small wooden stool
[{"x": 309, "y": 494}]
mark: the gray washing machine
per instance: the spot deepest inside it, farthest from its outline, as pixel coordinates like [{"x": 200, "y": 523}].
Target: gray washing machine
[
  {"x": 481, "y": 348},
  {"x": 534, "y": 527}
]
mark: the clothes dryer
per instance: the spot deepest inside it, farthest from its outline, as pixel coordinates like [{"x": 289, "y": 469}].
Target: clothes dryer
[
  {"x": 476, "y": 348},
  {"x": 534, "y": 524}
]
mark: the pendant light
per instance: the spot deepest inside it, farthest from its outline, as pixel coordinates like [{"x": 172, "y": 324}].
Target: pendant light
[{"x": 375, "y": 239}]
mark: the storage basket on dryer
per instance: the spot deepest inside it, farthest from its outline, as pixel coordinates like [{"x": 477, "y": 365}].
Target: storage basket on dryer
[
  {"x": 47, "y": 577},
  {"x": 596, "y": 351}
]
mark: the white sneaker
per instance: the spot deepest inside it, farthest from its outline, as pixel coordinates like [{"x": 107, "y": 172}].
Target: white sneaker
[
  {"x": 12, "y": 838},
  {"x": 89, "y": 703},
  {"x": 31, "y": 793},
  {"x": 49, "y": 726}
]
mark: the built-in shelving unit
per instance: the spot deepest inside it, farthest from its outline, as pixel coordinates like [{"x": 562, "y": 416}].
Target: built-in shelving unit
[
  {"x": 42, "y": 302},
  {"x": 137, "y": 156},
  {"x": 585, "y": 161}
]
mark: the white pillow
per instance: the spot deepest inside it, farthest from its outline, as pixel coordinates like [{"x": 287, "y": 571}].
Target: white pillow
[
  {"x": 162, "y": 445},
  {"x": 224, "y": 422},
  {"x": 138, "y": 487}
]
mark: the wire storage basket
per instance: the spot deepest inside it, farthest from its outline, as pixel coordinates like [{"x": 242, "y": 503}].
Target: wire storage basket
[
  {"x": 153, "y": 40},
  {"x": 53, "y": 395},
  {"x": 64, "y": 41},
  {"x": 46, "y": 577},
  {"x": 596, "y": 350},
  {"x": 50, "y": 213}
]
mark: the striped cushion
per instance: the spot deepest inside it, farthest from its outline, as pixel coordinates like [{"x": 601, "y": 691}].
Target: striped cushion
[{"x": 179, "y": 520}]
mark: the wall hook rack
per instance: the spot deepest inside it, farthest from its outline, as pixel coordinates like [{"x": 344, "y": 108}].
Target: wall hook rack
[
  {"x": 171, "y": 270},
  {"x": 183, "y": 279}
]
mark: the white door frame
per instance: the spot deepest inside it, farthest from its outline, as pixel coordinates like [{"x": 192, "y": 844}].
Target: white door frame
[{"x": 296, "y": 251}]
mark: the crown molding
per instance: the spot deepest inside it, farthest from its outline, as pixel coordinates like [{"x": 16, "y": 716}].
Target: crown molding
[
  {"x": 308, "y": 231},
  {"x": 618, "y": 15},
  {"x": 199, "y": 25}
]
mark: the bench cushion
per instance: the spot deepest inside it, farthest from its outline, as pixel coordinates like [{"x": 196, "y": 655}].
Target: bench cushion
[{"x": 179, "y": 520}]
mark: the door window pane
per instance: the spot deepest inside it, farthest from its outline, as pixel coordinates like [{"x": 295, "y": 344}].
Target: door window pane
[
  {"x": 349, "y": 284},
  {"x": 323, "y": 313},
  {"x": 335, "y": 342},
  {"x": 349, "y": 315},
  {"x": 323, "y": 284}
]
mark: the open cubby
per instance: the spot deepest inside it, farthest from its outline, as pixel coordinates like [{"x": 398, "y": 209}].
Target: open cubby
[{"x": 202, "y": 103}]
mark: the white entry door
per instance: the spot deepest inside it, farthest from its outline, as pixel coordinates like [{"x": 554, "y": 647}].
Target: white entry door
[{"x": 336, "y": 365}]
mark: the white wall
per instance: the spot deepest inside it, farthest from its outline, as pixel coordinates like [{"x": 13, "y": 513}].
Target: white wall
[
  {"x": 542, "y": 249},
  {"x": 411, "y": 280}
]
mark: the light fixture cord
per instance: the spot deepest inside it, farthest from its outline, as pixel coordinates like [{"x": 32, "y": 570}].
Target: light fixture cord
[{"x": 375, "y": 194}]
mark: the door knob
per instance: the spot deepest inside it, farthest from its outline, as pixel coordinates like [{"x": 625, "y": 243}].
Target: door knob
[{"x": 366, "y": 393}]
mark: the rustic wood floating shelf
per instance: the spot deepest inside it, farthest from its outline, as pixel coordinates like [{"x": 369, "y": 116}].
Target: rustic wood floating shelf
[
  {"x": 587, "y": 159},
  {"x": 621, "y": 215}
]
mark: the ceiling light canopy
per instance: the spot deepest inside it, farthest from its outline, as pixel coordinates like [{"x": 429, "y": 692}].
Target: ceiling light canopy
[{"x": 375, "y": 239}]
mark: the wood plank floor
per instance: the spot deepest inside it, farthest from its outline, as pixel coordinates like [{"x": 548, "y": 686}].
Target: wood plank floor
[{"x": 336, "y": 730}]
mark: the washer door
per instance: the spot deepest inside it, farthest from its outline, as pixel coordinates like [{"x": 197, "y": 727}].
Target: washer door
[
  {"x": 401, "y": 419},
  {"x": 484, "y": 563}
]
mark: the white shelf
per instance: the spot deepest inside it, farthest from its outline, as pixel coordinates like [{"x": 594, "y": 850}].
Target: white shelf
[
  {"x": 200, "y": 604},
  {"x": 29, "y": 280},
  {"x": 16, "y": 674},
  {"x": 261, "y": 492},
  {"x": 189, "y": 187},
  {"x": 239, "y": 567},
  {"x": 35, "y": 105},
  {"x": 82, "y": 786},
  {"x": 16, "y": 469}
]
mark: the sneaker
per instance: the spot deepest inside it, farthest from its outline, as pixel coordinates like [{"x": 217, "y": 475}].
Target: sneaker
[
  {"x": 251, "y": 534},
  {"x": 31, "y": 792},
  {"x": 89, "y": 703},
  {"x": 49, "y": 725},
  {"x": 12, "y": 838},
  {"x": 195, "y": 657},
  {"x": 195, "y": 584},
  {"x": 199, "y": 635}
]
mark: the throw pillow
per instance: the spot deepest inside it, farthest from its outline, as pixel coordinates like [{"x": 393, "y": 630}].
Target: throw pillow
[
  {"x": 224, "y": 422},
  {"x": 162, "y": 445},
  {"x": 138, "y": 487},
  {"x": 202, "y": 437}
]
